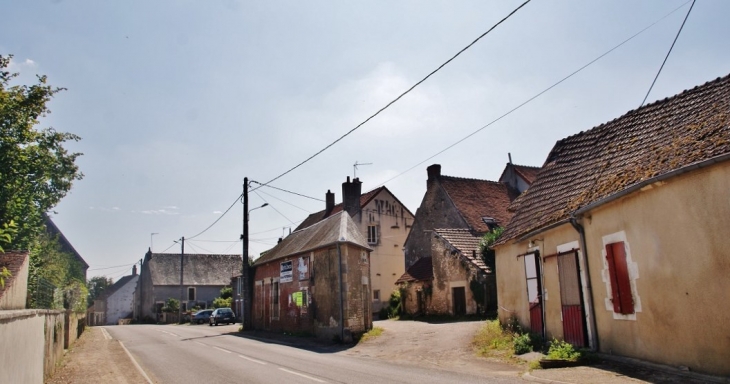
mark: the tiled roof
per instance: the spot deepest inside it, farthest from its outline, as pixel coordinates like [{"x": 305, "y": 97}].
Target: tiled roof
[
  {"x": 667, "y": 135},
  {"x": 13, "y": 261},
  {"x": 526, "y": 172},
  {"x": 464, "y": 241},
  {"x": 321, "y": 215},
  {"x": 338, "y": 228},
  {"x": 422, "y": 270},
  {"x": 197, "y": 269},
  {"x": 476, "y": 199}
]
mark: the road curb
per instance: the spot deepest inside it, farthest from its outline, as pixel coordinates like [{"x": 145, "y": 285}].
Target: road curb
[{"x": 527, "y": 376}]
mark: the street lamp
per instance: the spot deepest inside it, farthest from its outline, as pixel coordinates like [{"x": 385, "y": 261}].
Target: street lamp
[{"x": 245, "y": 271}]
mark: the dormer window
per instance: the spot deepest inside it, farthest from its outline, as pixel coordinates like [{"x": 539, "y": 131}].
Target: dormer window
[{"x": 490, "y": 222}]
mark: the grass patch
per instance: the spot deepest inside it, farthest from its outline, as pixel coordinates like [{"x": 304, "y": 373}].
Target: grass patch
[
  {"x": 492, "y": 340},
  {"x": 371, "y": 334}
]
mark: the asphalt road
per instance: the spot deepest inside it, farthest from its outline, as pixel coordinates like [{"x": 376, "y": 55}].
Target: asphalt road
[{"x": 202, "y": 354}]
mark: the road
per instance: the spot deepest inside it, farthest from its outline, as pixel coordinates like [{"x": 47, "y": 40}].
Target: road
[{"x": 192, "y": 354}]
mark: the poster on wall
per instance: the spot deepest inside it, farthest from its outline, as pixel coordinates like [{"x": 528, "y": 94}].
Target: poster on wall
[
  {"x": 303, "y": 268},
  {"x": 285, "y": 276}
]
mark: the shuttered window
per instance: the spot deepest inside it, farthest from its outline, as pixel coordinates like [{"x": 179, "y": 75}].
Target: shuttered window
[{"x": 618, "y": 271}]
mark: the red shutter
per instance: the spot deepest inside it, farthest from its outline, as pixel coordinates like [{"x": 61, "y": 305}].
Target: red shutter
[{"x": 618, "y": 270}]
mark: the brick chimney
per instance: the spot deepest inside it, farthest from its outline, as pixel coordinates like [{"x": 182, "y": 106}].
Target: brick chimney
[
  {"x": 351, "y": 196},
  {"x": 134, "y": 270},
  {"x": 329, "y": 202},
  {"x": 434, "y": 171}
]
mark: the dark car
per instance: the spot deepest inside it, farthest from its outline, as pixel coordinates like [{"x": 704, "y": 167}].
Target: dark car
[
  {"x": 222, "y": 315},
  {"x": 202, "y": 316}
]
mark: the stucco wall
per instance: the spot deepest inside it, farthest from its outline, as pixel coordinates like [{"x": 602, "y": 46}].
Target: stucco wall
[
  {"x": 676, "y": 234},
  {"x": 448, "y": 272},
  {"x": 512, "y": 285},
  {"x": 121, "y": 303},
  {"x": 436, "y": 211},
  {"x": 16, "y": 293},
  {"x": 386, "y": 259}
]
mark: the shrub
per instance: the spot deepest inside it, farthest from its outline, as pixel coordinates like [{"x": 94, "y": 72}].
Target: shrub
[
  {"x": 561, "y": 350},
  {"x": 491, "y": 337},
  {"x": 522, "y": 343}
]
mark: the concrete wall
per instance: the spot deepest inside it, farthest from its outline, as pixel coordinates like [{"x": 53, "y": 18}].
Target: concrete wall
[
  {"x": 676, "y": 241},
  {"x": 32, "y": 344},
  {"x": 16, "y": 293},
  {"x": 320, "y": 314},
  {"x": 436, "y": 211},
  {"x": 386, "y": 260},
  {"x": 120, "y": 304},
  {"x": 74, "y": 325}
]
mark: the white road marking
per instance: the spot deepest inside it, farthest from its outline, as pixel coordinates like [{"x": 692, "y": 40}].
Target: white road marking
[
  {"x": 253, "y": 360},
  {"x": 135, "y": 363},
  {"x": 302, "y": 375},
  {"x": 106, "y": 334},
  {"x": 199, "y": 343},
  {"x": 221, "y": 349}
]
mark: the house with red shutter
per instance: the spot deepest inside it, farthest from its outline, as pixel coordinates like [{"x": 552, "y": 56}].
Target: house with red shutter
[{"x": 620, "y": 244}]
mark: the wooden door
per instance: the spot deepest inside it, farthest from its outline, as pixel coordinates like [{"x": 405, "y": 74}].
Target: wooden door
[
  {"x": 574, "y": 328},
  {"x": 459, "y": 297},
  {"x": 534, "y": 292}
]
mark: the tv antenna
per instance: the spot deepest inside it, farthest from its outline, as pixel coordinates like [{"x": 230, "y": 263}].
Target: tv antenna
[{"x": 354, "y": 166}]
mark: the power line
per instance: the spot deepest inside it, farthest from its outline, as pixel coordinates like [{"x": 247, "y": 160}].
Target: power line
[
  {"x": 229, "y": 247},
  {"x": 284, "y": 190},
  {"x": 216, "y": 241},
  {"x": 534, "y": 97},
  {"x": 114, "y": 267},
  {"x": 272, "y": 207},
  {"x": 284, "y": 201},
  {"x": 173, "y": 244},
  {"x": 667, "y": 56},
  {"x": 218, "y": 219},
  {"x": 397, "y": 98}
]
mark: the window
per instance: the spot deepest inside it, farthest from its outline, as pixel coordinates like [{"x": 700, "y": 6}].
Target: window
[
  {"x": 372, "y": 234},
  {"x": 376, "y": 294},
  {"x": 191, "y": 293},
  {"x": 618, "y": 271},
  {"x": 275, "y": 300},
  {"x": 532, "y": 277},
  {"x": 490, "y": 222}
]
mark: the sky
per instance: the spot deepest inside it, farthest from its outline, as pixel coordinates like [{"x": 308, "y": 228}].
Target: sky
[{"x": 177, "y": 101}]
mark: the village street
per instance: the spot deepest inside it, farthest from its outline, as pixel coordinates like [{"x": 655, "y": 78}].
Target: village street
[{"x": 170, "y": 354}]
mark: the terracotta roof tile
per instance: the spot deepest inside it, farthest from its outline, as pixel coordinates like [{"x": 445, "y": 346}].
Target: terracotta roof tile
[
  {"x": 422, "y": 270},
  {"x": 528, "y": 173},
  {"x": 464, "y": 241},
  {"x": 476, "y": 199},
  {"x": 669, "y": 134}
]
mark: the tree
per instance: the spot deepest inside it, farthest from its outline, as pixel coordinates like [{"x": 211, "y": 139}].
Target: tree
[
  {"x": 225, "y": 299},
  {"x": 6, "y": 236},
  {"x": 36, "y": 171},
  {"x": 485, "y": 247},
  {"x": 50, "y": 269},
  {"x": 96, "y": 286}
]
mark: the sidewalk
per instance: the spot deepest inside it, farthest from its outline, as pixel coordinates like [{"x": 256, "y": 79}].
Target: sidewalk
[
  {"x": 615, "y": 371},
  {"x": 95, "y": 358}
]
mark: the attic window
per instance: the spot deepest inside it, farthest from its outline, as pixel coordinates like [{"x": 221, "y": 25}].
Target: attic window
[
  {"x": 372, "y": 234},
  {"x": 490, "y": 222}
]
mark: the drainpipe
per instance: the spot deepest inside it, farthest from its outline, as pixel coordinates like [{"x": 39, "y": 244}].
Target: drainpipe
[
  {"x": 342, "y": 299},
  {"x": 588, "y": 289}
]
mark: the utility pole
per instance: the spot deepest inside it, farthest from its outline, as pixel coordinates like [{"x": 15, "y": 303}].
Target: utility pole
[
  {"x": 182, "y": 296},
  {"x": 245, "y": 271}
]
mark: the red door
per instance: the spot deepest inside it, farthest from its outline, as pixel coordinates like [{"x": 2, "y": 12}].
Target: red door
[
  {"x": 534, "y": 292},
  {"x": 571, "y": 300}
]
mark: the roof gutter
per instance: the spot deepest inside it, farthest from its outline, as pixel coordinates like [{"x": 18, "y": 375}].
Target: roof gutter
[
  {"x": 541, "y": 230},
  {"x": 662, "y": 177}
]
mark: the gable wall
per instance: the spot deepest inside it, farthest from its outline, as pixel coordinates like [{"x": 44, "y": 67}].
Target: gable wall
[
  {"x": 676, "y": 236},
  {"x": 436, "y": 211},
  {"x": 121, "y": 303},
  {"x": 387, "y": 263},
  {"x": 448, "y": 272}
]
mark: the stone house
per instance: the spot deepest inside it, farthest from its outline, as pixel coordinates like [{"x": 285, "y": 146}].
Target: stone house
[
  {"x": 15, "y": 292},
  {"x": 384, "y": 222},
  {"x": 316, "y": 281},
  {"x": 454, "y": 215},
  {"x": 619, "y": 244},
  {"x": 116, "y": 302},
  {"x": 204, "y": 277}
]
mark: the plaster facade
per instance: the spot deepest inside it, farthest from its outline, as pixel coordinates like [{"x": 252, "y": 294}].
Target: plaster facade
[{"x": 120, "y": 304}]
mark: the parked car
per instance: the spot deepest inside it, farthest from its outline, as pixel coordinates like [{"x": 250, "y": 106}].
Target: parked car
[
  {"x": 222, "y": 315},
  {"x": 202, "y": 316}
]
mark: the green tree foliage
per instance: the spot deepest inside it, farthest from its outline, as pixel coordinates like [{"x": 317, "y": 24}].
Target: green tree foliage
[
  {"x": 49, "y": 263},
  {"x": 6, "y": 236},
  {"x": 172, "y": 305},
  {"x": 36, "y": 171},
  {"x": 485, "y": 247},
  {"x": 97, "y": 285},
  {"x": 226, "y": 293},
  {"x": 220, "y": 302}
]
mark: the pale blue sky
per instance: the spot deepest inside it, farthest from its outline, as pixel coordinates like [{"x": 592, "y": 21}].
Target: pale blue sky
[{"x": 178, "y": 101}]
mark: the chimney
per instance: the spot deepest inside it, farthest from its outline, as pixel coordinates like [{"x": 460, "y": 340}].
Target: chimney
[
  {"x": 351, "y": 196},
  {"x": 280, "y": 240},
  {"x": 434, "y": 171},
  {"x": 329, "y": 202},
  {"x": 134, "y": 270}
]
